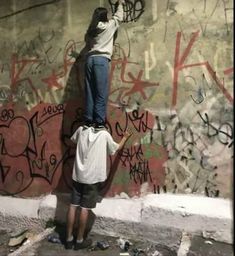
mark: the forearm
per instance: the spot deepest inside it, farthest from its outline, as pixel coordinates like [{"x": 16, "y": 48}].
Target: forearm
[{"x": 122, "y": 142}]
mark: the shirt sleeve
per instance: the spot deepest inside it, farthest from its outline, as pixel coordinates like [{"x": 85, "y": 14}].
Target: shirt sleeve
[
  {"x": 111, "y": 145},
  {"x": 75, "y": 136}
]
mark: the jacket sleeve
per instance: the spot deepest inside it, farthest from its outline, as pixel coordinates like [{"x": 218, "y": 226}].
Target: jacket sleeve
[{"x": 119, "y": 14}]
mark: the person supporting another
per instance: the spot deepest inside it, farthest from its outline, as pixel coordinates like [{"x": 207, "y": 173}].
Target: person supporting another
[
  {"x": 99, "y": 39},
  {"x": 89, "y": 173}
]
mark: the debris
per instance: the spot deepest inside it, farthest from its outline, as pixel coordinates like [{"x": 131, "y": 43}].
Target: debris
[
  {"x": 18, "y": 239},
  {"x": 124, "y": 244},
  {"x": 138, "y": 252},
  {"x": 121, "y": 243},
  {"x": 185, "y": 244},
  {"x": 103, "y": 245},
  {"x": 156, "y": 253},
  {"x": 185, "y": 214},
  {"x": 36, "y": 238},
  {"x": 208, "y": 242},
  {"x": 188, "y": 191},
  {"x": 207, "y": 234},
  {"x": 54, "y": 239},
  {"x": 27, "y": 241},
  {"x": 92, "y": 248},
  {"x": 144, "y": 189},
  {"x": 124, "y": 195},
  {"x": 124, "y": 254}
]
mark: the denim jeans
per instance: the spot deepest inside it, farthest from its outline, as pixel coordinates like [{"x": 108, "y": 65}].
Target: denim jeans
[{"x": 96, "y": 88}]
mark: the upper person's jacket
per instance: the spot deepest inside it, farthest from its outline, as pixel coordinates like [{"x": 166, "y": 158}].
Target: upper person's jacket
[{"x": 102, "y": 43}]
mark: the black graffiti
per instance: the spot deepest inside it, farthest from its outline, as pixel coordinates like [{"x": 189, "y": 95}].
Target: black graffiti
[
  {"x": 138, "y": 120},
  {"x": 53, "y": 110},
  {"x": 44, "y": 37},
  {"x": 42, "y": 168},
  {"x": 211, "y": 193},
  {"x": 28, "y": 8},
  {"x": 211, "y": 188},
  {"x": 133, "y": 9},
  {"x": 185, "y": 133},
  {"x": 133, "y": 158},
  {"x": 225, "y": 129},
  {"x": 4, "y": 170},
  {"x": 156, "y": 189},
  {"x": 43, "y": 48},
  {"x": 6, "y": 114},
  {"x": 4, "y": 67},
  {"x": 188, "y": 146},
  {"x": 140, "y": 172},
  {"x": 200, "y": 92},
  {"x": 4, "y": 93},
  {"x": 183, "y": 144},
  {"x": 202, "y": 183},
  {"x": 129, "y": 154},
  {"x": 33, "y": 149},
  {"x": 37, "y": 47}
]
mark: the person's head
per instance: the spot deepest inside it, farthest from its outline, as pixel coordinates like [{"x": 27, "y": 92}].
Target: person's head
[{"x": 99, "y": 14}]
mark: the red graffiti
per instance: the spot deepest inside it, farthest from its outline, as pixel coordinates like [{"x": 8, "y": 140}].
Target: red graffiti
[
  {"x": 228, "y": 71},
  {"x": 17, "y": 68},
  {"x": 179, "y": 66},
  {"x": 52, "y": 80},
  {"x": 138, "y": 85}
]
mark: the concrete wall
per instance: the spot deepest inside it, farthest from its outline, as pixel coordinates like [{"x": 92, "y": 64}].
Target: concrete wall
[{"x": 171, "y": 80}]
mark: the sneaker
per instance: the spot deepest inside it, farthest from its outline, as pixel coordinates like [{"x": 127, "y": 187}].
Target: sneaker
[
  {"x": 68, "y": 245},
  {"x": 99, "y": 127},
  {"x": 87, "y": 125},
  {"x": 86, "y": 243}
]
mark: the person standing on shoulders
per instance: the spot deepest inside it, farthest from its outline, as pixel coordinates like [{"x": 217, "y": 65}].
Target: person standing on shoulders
[{"x": 99, "y": 39}]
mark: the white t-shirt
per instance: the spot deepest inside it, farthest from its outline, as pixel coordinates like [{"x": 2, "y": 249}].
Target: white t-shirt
[{"x": 90, "y": 165}]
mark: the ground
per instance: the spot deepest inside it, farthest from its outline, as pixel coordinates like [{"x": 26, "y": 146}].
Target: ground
[{"x": 199, "y": 247}]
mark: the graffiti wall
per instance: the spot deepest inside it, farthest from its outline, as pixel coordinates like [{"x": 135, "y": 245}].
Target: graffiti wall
[{"x": 171, "y": 82}]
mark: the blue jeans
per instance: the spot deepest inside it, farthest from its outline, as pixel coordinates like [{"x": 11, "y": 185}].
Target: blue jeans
[{"x": 96, "y": 88}]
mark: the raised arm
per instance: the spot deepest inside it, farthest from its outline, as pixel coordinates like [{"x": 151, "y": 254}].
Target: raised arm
[{"x": 119, "y": 14}]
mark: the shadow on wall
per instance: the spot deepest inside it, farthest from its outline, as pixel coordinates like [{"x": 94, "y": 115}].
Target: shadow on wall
[{"x": 73, "y": 100}]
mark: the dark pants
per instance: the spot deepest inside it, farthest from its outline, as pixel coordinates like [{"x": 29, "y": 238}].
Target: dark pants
[{"x": 96, "y": 88}]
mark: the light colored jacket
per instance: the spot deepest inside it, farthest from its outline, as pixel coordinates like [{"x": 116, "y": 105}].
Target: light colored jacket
[{"x": 102, "y": 44}]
